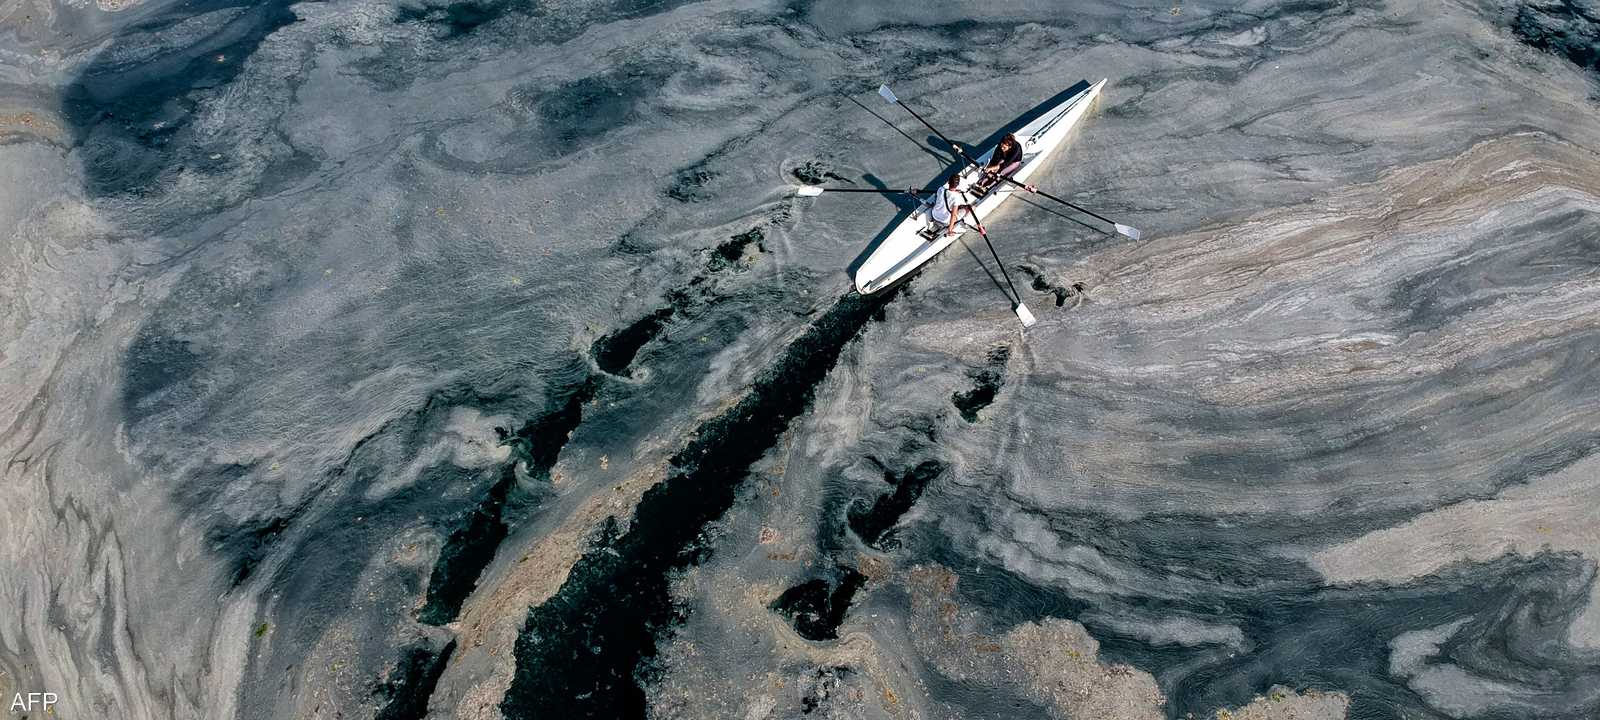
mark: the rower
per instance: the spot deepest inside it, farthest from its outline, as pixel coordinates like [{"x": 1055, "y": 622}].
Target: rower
[
  {"x": 1005, "y": 161},
  {"x": 946, "y": 207}
]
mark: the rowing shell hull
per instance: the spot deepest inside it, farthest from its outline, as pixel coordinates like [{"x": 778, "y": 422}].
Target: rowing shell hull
[{"x": 904, "y": 249}]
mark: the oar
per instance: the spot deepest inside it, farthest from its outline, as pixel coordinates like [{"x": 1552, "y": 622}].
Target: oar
[
  {"x": 1017, "y": 307},
  {"x": 1020, "y": 309},
  {"x": 1125, "y": 230},
  {"x": 815, "y": 190},
  {"x": 1128, "y": 231},
  {"x": 888, "y": 95}
]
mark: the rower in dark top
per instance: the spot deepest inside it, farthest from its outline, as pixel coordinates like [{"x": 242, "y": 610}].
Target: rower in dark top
[{"x": 1005, "y": 161}]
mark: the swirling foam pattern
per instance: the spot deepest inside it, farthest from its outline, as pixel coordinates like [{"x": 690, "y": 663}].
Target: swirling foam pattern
[{"x": 300, "y": 411}]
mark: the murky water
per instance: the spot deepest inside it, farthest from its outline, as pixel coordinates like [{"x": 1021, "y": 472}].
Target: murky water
[{"x": 473, "y": 360}]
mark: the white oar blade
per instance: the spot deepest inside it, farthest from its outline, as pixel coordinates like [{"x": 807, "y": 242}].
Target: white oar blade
[
  {"x": 1127, "y": 230},
  {"x": 1025, "y": 315},
  {"x": 887, "y": 94},
  {"x": 808, "y": 191}
]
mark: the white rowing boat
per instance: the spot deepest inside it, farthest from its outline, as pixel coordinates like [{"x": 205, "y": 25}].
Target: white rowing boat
[{"x": 908, "y": 247}]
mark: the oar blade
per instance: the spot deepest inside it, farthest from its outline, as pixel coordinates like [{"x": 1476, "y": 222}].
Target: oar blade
[
  {"x": 809, "y": 190},
  {"x": 887, "y": 94},
  {"x": 1127, "y": 230},
  {"x": 1025, "y": 315}
]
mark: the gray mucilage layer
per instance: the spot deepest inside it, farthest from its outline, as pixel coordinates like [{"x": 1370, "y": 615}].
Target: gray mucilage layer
[{"x": 465, "y": 360}]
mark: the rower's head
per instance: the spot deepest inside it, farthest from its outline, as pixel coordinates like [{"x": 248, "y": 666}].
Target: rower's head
[
  {"x": 1008, "y": 141},
  {"x": 953, "y": 182}
]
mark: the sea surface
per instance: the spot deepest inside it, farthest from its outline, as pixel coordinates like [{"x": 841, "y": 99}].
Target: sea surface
[{"x": 412, "y": 358}]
